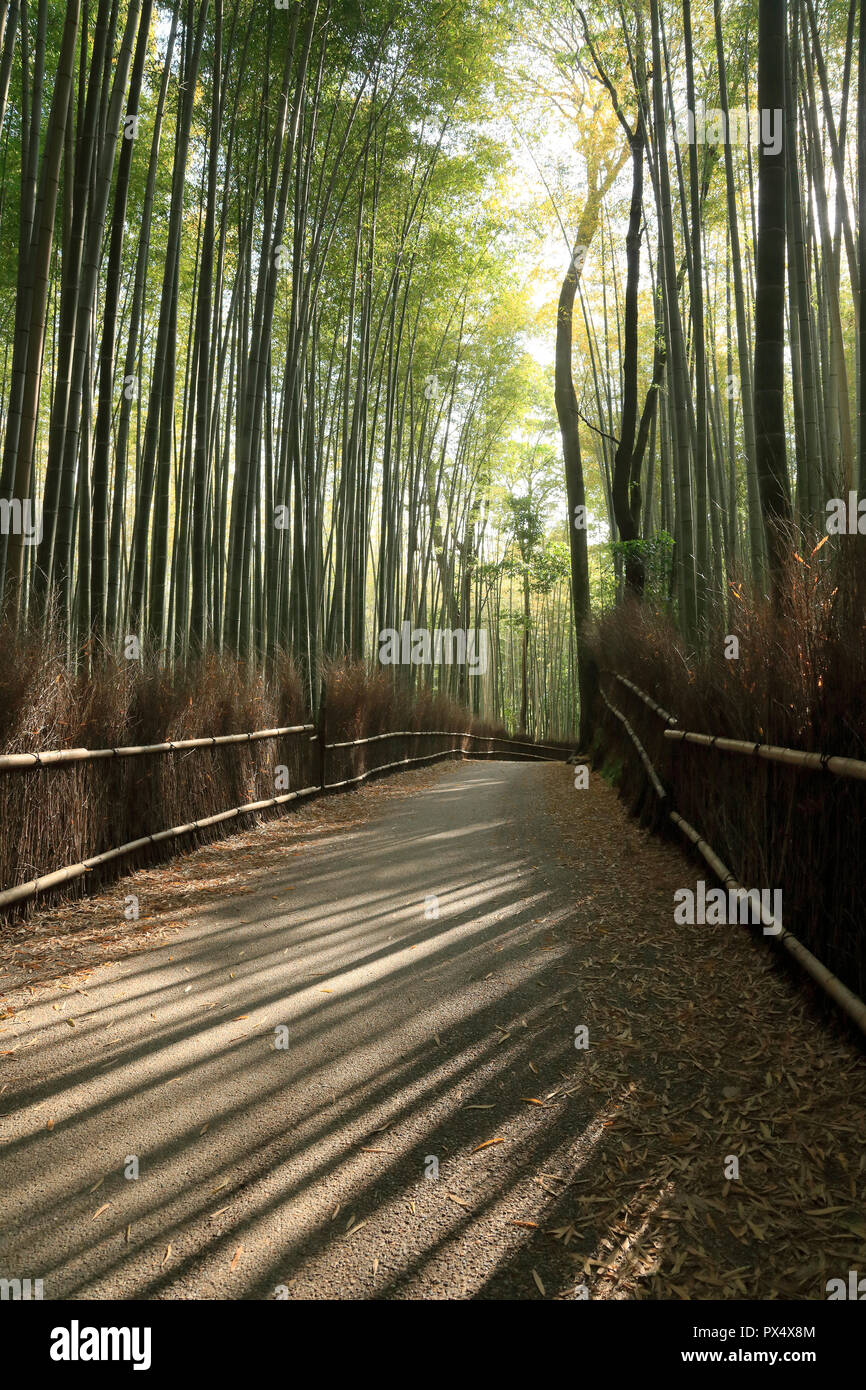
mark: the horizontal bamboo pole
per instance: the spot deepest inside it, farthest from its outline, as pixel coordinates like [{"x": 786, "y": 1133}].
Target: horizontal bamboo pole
[
  {"x": 718, "y": 867},
  {"x": 495, "y": 753},
  {"x": 642, "y": 753},
  {"x": 794, "y": 757},
  {"x": 444, "y": 733},
  {"x": 426, "y": 758},
  {"x": 73, "y": 871},
  {"x": 387, "y": 767},
  {"x": 16, "y": 761},
  {"x": 850, "y": 1003},
  {"x": 647, "y": 699},
  {"x": 525, "y": 743},
  {"x": 399, "y": 733}
]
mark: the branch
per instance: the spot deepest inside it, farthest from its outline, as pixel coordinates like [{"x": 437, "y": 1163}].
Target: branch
[
  {"x": 603, "y": 433},
  {"x": 630, "y": 135}
]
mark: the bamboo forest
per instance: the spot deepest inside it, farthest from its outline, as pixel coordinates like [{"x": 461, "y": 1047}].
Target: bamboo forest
[
  {"x": 284, "y": 305},
  {"x": 473, "y": 390}
]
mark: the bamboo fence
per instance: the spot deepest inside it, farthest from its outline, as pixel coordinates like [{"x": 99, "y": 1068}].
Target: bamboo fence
[
  {"x": 793, "y": 757},
  {"x": 23, "y": 762},
  {"x": 850, "y": 1003}
]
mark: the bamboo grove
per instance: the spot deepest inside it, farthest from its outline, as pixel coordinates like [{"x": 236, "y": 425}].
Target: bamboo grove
[
  {"x": 257, "y": 362},
  {"x": 719, "y": 384},
  {"x": 291, "y": 356}
]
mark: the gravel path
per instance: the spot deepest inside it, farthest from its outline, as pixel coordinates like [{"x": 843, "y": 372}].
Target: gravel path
[{"x": 426, "y": 949}]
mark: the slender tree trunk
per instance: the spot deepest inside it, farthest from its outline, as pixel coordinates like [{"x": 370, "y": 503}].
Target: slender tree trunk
[{"x": 770, "y": 293}]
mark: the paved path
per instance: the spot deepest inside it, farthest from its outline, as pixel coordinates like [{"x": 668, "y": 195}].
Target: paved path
[{"x": 426, "y": 970}]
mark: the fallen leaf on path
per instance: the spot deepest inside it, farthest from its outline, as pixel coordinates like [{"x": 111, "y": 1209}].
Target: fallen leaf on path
[
  {"x": 486, "y": 1144},
  {"x": 103, "y": 1208},
  {"x": 541, "y": 1288},
  {"x": 235, "y": 1259}
]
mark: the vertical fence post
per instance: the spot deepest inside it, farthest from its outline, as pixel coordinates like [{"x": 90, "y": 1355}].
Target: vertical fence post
[{"x": 323, "y": 723}]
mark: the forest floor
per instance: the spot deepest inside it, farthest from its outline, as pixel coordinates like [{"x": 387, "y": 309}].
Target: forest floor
[{"x": 428, "y": 949}]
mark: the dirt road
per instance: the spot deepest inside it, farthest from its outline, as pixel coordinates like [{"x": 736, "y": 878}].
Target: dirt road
[{"x": 362, "y": 1076}]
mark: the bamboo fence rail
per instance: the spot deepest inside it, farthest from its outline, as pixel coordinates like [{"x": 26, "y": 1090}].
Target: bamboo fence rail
[
  {"x": 658, "y": 788},
  {"x": 429, "y": 757},
  {"x": 21, "y": 762},
  {"x": 647, "y": 699},
  {"x": 443, "y": 733},
  {"x": 73, "y": 871},
  {"x": 850, "y": 1003},
  {"x": 10, "y": 762},
  {"x": 793, "y": 757}
]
